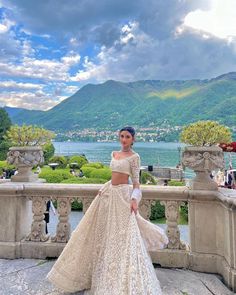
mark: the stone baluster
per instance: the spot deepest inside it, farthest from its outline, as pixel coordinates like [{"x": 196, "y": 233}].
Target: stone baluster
[
  {"x": 86, "y": 201},
  {"x": 173, "y": 233},
  {"x": 38, "y": 226},
  {"x": 63, "y": 226},
  {"x": 145, "y": 207}
]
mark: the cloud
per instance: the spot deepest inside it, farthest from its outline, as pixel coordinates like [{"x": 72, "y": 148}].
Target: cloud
[
  {"x": 19, "y": 85},
  {"x": 99, "y": 21},
  {"x": 86, "y": 20},
  {"x": 62, "y": 45},
  {"x": 43, "y": 69},
  {"x": 219, "y": 20},
  {"x": 71, "y": 89},
  {"x": 28, "y": 100},
  {"x": 138, "y": 56}
]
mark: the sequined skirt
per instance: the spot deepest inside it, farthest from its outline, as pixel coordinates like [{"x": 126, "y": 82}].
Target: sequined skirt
[{"x": 107, "y": 253}]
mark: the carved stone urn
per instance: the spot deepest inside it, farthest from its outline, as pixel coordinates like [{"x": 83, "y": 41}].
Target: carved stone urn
[
  {"x": 25, "y": 158},
  {"x": 203, "y": 160}
]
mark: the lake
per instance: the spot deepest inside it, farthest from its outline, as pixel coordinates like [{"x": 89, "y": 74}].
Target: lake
[{"x": 163, "y": 154}]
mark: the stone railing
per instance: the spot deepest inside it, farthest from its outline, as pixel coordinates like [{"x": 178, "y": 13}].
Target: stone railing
[{"x": 212, "y": 223}]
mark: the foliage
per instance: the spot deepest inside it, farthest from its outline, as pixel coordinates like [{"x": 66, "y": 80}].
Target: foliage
[
  {"x": 61, "y": 160},
  {"x": 104, "y": 173},
  {"x": 147, "y": 178},
  {"x": 205, "y": 133},
  {"x": 184, "y": 210},
  {"x": 28, "y": 135},
  {"x": 84, "y": 180},
  {"x": 94, "y": 165},
  {"x": 80, "y": 160},
  {"x": 55, "y": 176},
  {"x": 157, "y": 211},
  {"x": 175, "y": 183},
  {"x": 77, "y": 206},
  {"x": 48, "y": 152},
  {"x": 87, "y": 171},
  {"x": 4, "y": 148},
  {"x": 5, "y": 165},
  {"x": 5, "y": 122}
]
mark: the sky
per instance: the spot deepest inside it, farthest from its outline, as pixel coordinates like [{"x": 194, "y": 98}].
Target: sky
[{"x": 49, "y": 49}]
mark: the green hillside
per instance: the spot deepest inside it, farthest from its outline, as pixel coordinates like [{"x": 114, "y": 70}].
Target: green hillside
[{"x": 114, "y": 104}]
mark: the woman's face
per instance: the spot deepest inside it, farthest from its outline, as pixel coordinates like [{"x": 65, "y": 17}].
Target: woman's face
[{"x": 126, "y": 139}]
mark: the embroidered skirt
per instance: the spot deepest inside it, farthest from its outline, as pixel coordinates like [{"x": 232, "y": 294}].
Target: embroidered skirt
[{"x": 107, "y": 253}]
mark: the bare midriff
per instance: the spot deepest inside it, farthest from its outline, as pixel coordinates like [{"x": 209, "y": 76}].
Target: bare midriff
[{"x": 119, "y": 178}]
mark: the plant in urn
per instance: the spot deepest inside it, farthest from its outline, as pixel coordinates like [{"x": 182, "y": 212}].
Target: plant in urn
[
  {"x": 204, "y": 154},
  {"x": 26, "y": 151}
]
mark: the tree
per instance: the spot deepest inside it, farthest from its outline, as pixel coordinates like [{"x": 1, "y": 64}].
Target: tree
[
  {"x": 61, "y": 160},
  {"x": 28, "y": 135},
  {"x": 205, "y": 133},
  {"x": 48, "y": 151},
  {"x": 5, "y": 124},
  {"x": 80, "y": 160}
]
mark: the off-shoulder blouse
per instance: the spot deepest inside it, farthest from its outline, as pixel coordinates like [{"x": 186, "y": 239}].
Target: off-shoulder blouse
[{"x": 128, "y": 165}]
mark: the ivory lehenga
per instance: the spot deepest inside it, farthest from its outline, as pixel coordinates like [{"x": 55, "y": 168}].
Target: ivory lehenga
[{"x": 107, "y": 253}]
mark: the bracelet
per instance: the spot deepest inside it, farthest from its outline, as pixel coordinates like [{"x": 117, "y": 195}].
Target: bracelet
[{"x": 136, "y": 194}]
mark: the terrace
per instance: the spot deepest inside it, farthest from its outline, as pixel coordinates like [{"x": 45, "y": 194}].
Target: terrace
[{"x": 207, "y": 262}]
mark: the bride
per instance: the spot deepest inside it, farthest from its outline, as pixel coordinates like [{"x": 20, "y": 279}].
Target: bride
[{"x": 107, "y": 253}]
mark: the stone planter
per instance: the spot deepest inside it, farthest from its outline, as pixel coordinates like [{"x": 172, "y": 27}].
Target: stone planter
[
  {"x": 24, "y": 158},
  {"x": 203, "y": 160}
]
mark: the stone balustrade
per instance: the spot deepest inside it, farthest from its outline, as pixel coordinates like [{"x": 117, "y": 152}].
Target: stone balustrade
[{"x": 212, "y": 223}]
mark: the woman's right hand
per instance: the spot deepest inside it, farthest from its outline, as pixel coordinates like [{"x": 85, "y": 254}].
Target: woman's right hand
[{"x": 133, "y": 206}]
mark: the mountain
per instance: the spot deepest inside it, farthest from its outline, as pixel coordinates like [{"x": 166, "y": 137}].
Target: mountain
[
  {"x": 142, "y": 103},
  {"x": 13, "y": 111}
]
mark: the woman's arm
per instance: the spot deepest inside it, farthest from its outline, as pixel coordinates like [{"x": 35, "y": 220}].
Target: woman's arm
[{"x": 136, "y": 195}]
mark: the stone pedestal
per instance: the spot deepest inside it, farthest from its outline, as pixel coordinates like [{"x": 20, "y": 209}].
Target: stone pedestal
[
  {"x": 15, "y": 220},
  {"x": 203, "y": 160},
  {"x": 24, "y": 158}
]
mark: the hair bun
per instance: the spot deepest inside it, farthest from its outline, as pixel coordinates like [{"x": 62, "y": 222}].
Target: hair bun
[{"x": 129, "y": 129}]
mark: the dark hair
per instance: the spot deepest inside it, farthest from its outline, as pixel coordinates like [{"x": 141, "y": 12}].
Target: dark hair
[{"x": 129, "y": 129}]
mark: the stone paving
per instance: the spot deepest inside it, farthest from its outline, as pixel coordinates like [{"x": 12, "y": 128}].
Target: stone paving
[{"x": 28, "y": 277}]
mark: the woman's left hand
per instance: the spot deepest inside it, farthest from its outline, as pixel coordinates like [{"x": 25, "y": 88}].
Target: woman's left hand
[{"x": 134, "y": 206}]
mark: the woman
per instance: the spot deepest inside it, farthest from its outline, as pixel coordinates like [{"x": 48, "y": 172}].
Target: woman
[{"x": 107, "y": 253}]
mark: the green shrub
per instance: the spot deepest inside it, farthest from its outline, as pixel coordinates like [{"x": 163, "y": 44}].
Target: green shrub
[
  {"x": 157, "y": 211},
  {"x": 104, "y": 173},
  {"x": 87, "y": 171},
  {"x": 84, "y": 180},
  {"x": 147, "y": 178},
  {"x": 5, "y": 165},
  {"x": 60, "y": 160},
  {"x": 175, "y": 183},
  {"x": 184, "y": 210},
  {"x": 48, "y": 152},
  {"x": 97, "y": 165},
  {"x": 205, "y": 133},
  {"x": 77, "y": 206},
  {"x": 80, "y": 160},
  {"x": 55, "y": 176},
  {"x": 4, "y": 149}
]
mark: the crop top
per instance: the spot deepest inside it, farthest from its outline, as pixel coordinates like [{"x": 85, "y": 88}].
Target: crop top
[{"x": 128, "y": 165}]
